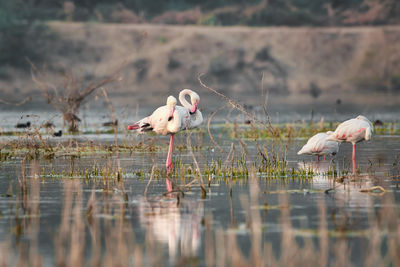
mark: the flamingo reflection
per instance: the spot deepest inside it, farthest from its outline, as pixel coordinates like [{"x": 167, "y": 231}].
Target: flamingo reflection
[{"x": 177, "y": 225}]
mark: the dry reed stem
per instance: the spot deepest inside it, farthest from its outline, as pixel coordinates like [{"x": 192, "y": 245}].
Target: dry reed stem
[
  {"x": 209, "y": 131},
  {"x": 24, "y": 101},
  {"x": 230, "y": 156},
  {"x": 236, "y": 105},
  {"x": 114, "y": 119},
  {"x": 196, "y": 174},
  {"x": 373, "y": 189},
  {"x": 150, "y": 180},
  {"x": 209, "y": 239},
  {"x": 265, "y": 102}
]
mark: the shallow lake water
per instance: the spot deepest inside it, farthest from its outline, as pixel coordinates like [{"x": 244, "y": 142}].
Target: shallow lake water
[{"x": 51, "y": 212}]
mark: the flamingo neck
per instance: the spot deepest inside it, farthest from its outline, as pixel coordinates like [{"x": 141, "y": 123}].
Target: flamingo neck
[
  {"x": 174, "y": 125},
  {"x": 183, "y": 100}
]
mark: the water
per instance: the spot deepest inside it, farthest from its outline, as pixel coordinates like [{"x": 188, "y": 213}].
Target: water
[{"x": 175, "y": 229}]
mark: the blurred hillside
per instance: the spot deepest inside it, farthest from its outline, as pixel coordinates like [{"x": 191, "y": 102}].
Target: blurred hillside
[
  {"x": 323, "y": 63},
  {"x": 216, "y": 12},
  {"x": 160, "y": 60}
]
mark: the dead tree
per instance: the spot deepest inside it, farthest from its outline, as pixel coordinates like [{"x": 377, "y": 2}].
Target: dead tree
[{"x": 68, "y": 96}]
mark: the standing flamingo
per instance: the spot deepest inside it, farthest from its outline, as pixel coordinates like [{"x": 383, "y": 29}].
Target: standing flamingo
[
  {"x": 319, "y": 145},
  {"x": 162, "y": 121},
  {"x": 353, "y": 131},
  {"x": 171, "y": 119}
]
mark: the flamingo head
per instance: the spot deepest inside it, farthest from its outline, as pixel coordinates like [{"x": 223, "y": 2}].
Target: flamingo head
[
  {"x": 133, "y": 127},
  {"x": 194, "y": 107},
  {"x": 171, "y": 101}
]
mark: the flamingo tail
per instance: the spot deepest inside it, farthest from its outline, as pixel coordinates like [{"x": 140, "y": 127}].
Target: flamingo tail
[{"x": 142, "y": 125}]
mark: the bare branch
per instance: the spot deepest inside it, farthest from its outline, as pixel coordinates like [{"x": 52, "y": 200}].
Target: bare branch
[
  {"x": 236, "y": 105},
  {"x": 208, "y": 129},
  {"x": 26, "y": 99}
]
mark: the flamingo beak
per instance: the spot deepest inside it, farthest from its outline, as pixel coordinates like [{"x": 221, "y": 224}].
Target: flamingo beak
[{"x": 194, "y": 108}]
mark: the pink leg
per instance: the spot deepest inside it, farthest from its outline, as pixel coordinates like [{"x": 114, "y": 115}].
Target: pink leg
[
  {"x": 324, "y": 157},
  {"x": 168, "y": 184},
  {"x": 168, "y": 163},
  {"x": 354, "y": 166},
  {"x": 354, "y": 159}
]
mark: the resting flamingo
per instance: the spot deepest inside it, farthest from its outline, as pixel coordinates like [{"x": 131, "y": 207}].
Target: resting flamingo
[
  {"x": 171, "y": 119},
  {"x": 353, "y": 131},
  {"x": 191, "y": 115},
  {"x": 319, "y": 145}
]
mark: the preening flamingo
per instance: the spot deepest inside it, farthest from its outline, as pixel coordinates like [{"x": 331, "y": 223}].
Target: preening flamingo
[
  {"x": 191, "y": 116},
  {"x": 319, "y": 145},
  {"x": 353, "y": 131},
  {"x": 170, "y": 119}
]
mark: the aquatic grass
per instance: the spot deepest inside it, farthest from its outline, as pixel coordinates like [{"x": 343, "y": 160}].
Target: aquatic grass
[{"x": 294, "y": 130}]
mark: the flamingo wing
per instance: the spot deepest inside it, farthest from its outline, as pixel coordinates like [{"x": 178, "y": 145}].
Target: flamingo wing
[
  {"x": 156, "y": 122},
  {"x": 353, "y": 131}
]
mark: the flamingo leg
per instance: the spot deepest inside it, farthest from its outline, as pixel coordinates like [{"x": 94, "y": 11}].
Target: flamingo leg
[
  {"x": 168, "y": 163},
  {"x": 317, "y": 158},
  {"x": 354, "y": 166},
  {"x": 168, "y": 183},
  {"x": 354, "y": 152},
  {"x": 324, "y": 157}
]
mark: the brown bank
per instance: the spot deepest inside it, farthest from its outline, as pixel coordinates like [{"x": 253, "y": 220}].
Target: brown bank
[{"x": 296, "y": 65}]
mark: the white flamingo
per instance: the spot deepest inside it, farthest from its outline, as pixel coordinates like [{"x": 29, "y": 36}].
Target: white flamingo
[
  {"x": 319, "y": 145},
  {"x": 171, "y": 119},
  {"x": 353, "y": 131},
  {"x": 191, "y": 116}
]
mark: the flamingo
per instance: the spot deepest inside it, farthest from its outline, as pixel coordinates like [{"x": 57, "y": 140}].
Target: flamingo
[
  {"x": 162, "y": 121},
  {"x": 353, "y": 131},
  {"x": 319, "y": 145},
  {"x": 191, "y": 116},
  {"x": 170, "y": 119}
]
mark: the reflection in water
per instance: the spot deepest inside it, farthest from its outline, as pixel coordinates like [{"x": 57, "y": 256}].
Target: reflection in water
[
  {"x": 176, "y": 224},
  {"x": 320, "y": 169},
  {"x": 347, "y": 190}
]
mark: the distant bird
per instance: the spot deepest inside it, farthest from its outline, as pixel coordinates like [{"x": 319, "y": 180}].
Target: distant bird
[
  {"x": 378, "y": 123},
  {"x": 58, "y": 134},
  {"x": 353, "y": 131},
  {"x": 319, "y": 145},
  {"x": 23, "y": 125},
  {"x": 111, "y": 123},
  {"x": 170, "y": 119}
]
